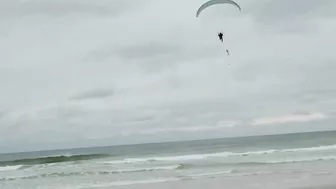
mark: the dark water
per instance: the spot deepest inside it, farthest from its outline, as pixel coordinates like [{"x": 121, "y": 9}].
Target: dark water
[{"x": 101, "y": 167}]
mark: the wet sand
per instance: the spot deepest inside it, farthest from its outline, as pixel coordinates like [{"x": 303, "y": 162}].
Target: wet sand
[{"x": 289, "y": 181}]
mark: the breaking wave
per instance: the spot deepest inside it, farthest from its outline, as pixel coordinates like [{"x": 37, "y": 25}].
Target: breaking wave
[
  {"x": 299, "y": 160},
  {"x": 191, "y": 157},
  {"x": 52, "y": 159},
  {"x": 129, "y": 182},
  {"x": 10, "y": 168},
  {"x": 145, "y": 169}
]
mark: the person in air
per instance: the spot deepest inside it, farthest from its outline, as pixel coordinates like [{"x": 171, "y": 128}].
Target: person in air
[
  {"x": 220, "y": 35},
  {"x": 227, "y": 51}
]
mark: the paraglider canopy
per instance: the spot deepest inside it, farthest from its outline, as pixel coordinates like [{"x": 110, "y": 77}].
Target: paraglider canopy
[{"x": 215, "y": 2}]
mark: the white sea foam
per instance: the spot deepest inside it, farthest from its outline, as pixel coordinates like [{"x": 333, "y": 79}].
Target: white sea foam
[
  {"x": 123, "y": 183},
  {"x": 209, "y": 174},
  {"x": 312, "y": 149},
  {"x": 10, "y": 168},
  {"x": 158, "y": 168},
  {"x": 102, "y": 172},
  {"x": 298, "y": 160},
  {"x": 192, "y": 157}
]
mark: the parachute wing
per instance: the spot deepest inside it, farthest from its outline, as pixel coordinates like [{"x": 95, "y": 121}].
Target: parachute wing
[{"x": 214, "y": 2}]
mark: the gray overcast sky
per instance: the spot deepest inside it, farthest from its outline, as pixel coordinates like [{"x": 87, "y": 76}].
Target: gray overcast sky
[{"x": 106, "y": 72}]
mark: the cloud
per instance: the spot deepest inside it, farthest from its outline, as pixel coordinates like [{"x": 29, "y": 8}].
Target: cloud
[
  {"x": 228, "y": 124},
  {"x": 296, "y": 117},
  {"x": 192, "y": 128},
  {"x": 2, "y": 113},
  {"x": 60, "y": 61},
  {"x": 287, "y": 15},
  {"x": 94, "y": 94},
  {"x": 63, "y": 7},
  {"x": 148, "y": 50}
]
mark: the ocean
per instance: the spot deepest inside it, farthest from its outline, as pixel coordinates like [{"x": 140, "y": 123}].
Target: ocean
[{"x": 300, "y": 161}]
